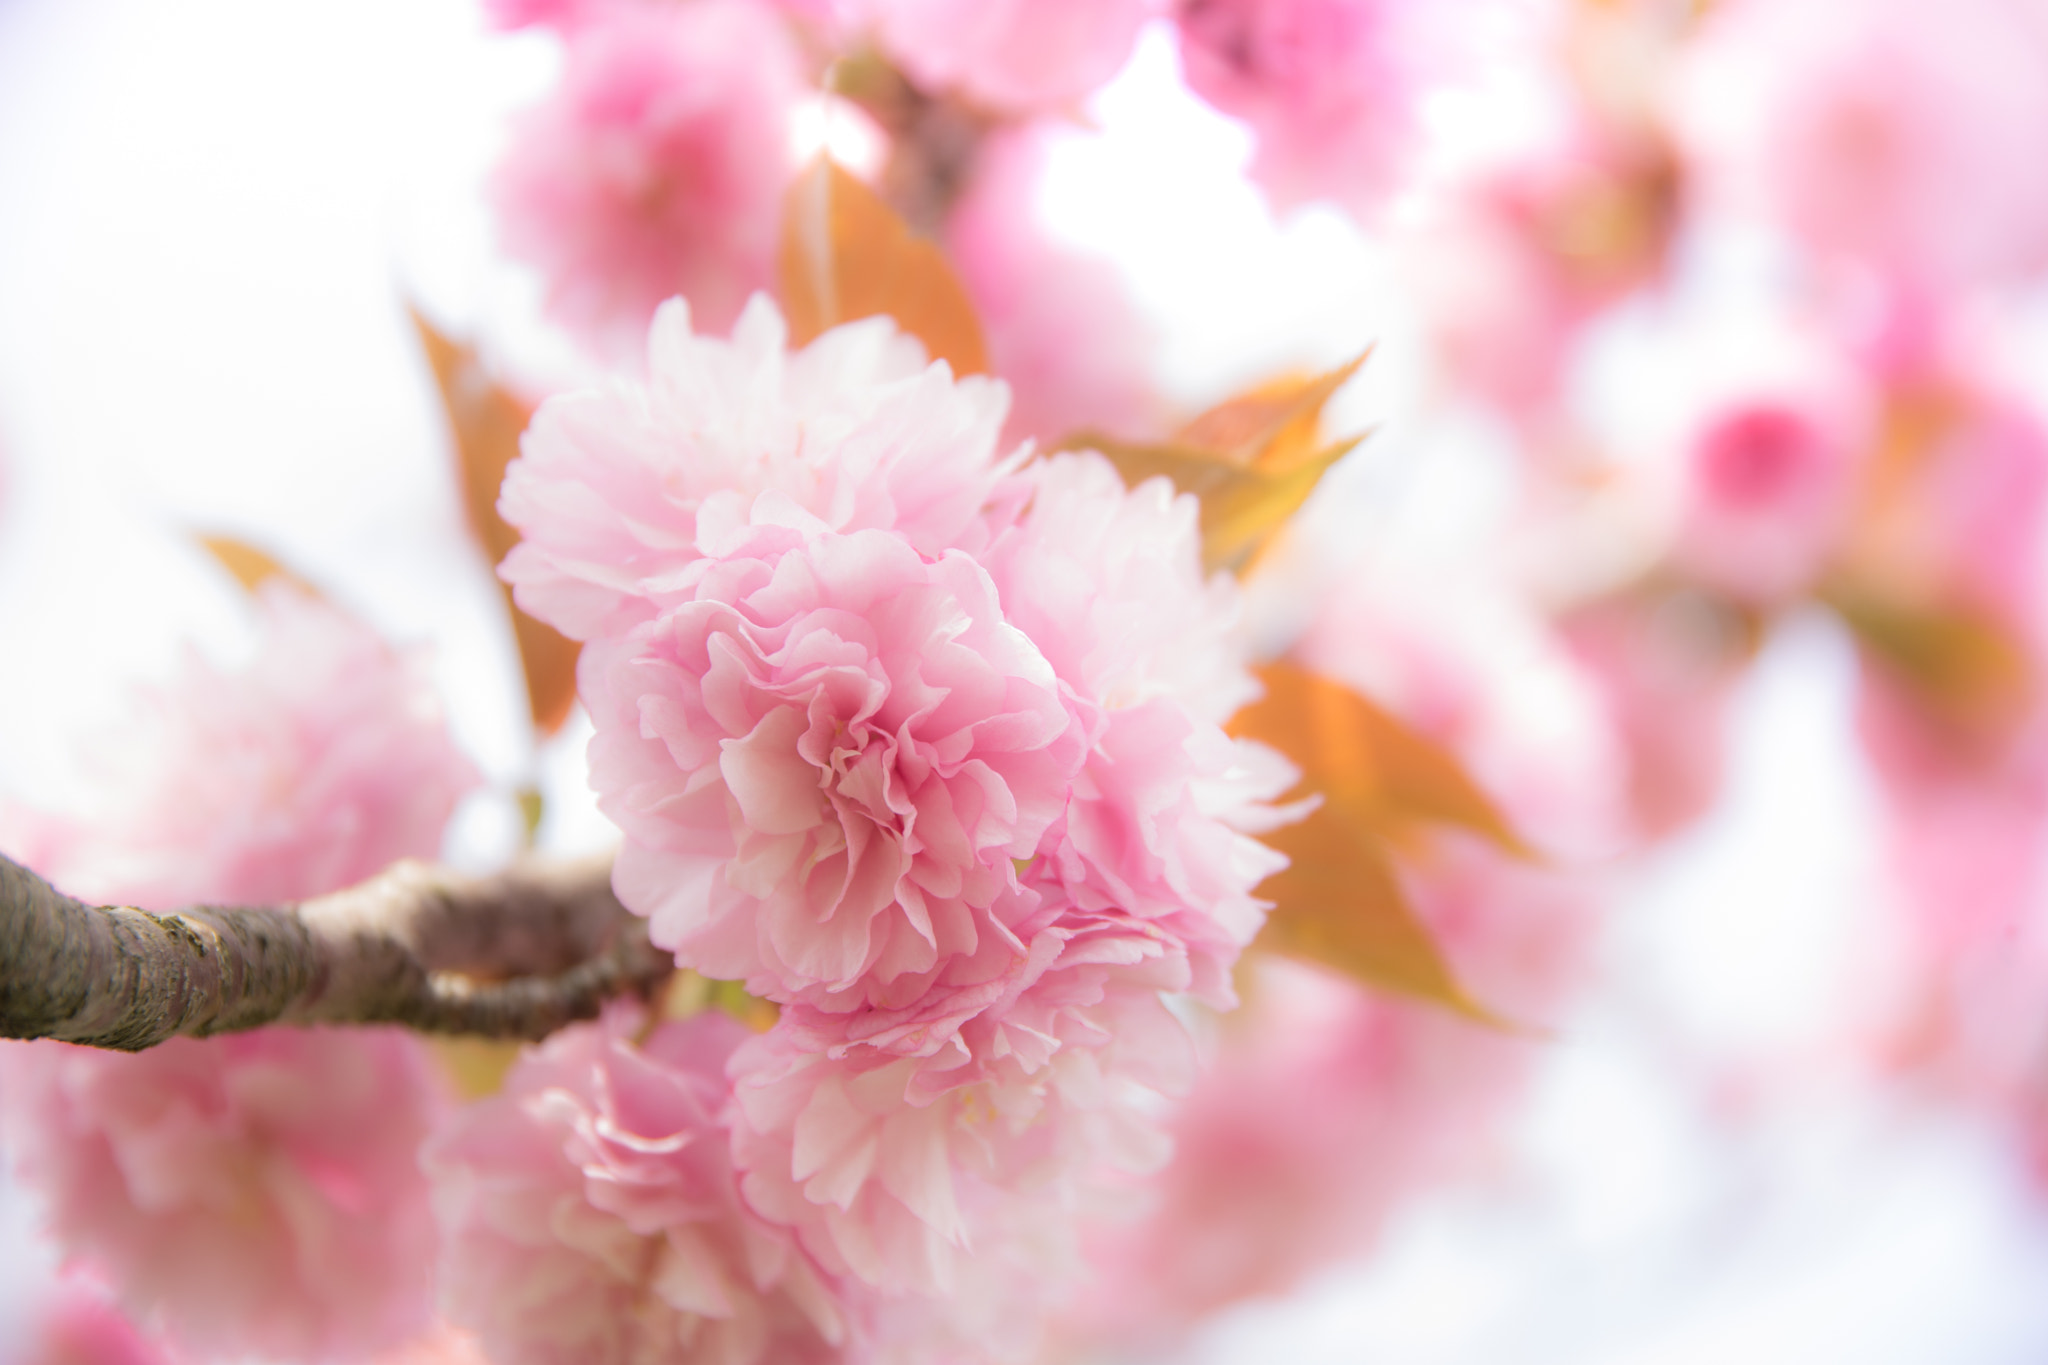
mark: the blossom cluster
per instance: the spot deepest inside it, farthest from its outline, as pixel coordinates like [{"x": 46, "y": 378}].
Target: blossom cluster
[
  {"x": 920, "y": 742},
  {"x": 259, "y": 1191},
  {"x": 913, "y": 714}
]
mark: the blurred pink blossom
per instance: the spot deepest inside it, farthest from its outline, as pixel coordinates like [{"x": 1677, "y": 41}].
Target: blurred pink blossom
[
  {"x": 658, "y": 168},
  {"x": 1011, "y": 56},
  {"x": 1328, "y": 1106},
  {"x": 592, "y": 1218},
  {"x": 256, "y": 1192},
  {"x": 1881, "y": 132},
  {"x": 1667, "y": 665},
  {"x": 1062, "y": 330},
  {"x": 1331, "y": 88},
  {"x": 1518, "y": 257},
  {"x": 73, "y": 1323},
  {"x": 1770, "y": 485},
  {"x": 322, "y": 761}
]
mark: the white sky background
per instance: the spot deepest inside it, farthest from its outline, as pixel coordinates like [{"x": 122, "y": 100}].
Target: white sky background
[{"x": 205, "y": 210}]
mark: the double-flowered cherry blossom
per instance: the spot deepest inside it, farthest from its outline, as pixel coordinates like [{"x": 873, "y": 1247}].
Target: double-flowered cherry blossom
[
  {"x": 1331, "y": 89},
  {"x": 592, "y": 1216},
  {"x": 1011, "y": 56},
  {"x": 1326, "y": 1106},
  {"x": 258, "y": 1192},
  {"x": 658, "y": 167},
  {"x": 921, "y": 744},
  {"x": 1881, "y": 132}
]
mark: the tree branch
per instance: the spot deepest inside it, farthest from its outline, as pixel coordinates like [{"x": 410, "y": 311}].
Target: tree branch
[{"x": 514, "y": 955}]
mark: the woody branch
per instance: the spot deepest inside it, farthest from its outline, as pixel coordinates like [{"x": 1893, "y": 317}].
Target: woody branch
[{"x": 516, "y": 954}]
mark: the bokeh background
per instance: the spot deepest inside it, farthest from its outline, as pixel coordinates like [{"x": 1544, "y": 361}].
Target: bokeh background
[{"x": 211, "y": 216}]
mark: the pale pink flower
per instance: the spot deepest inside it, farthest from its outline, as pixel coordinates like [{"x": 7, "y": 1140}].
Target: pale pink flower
[
  {"x": 442, "y": 1345},
  {"x": 1011, "y": 56},
  {"x": 826, "y": 764},
  {"x": 1326, "y": 1110},
  {"x": 1769, "y": 487},
  {"x": 615, "y": 486},
  {"x": 556, "y": 14},
  {"x": 257, "y": 1192},
  {"x": 1328, "y": 1107},
  {"x": 1882, "y": 132},
  {"x": 1331, "y": 88},
  {"x": 1667, "y": 666},
  {"x": 1109, "y": 585},
  {"x": 898, "y": 1142},
  {"x": 1981, "y": 494},
  {"x": 658, "y": 168},
  {"x": 321, "y": 762},
  {"x": 72, "y": 1322},
  {"x": 1061, "y": 327},
  {"x": 1518, "y": 257},
  {"x": 1033, "y": 1054},
  {"x": 592, "y": 1217}
]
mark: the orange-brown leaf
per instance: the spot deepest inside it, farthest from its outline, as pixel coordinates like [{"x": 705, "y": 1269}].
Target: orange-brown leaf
[
  {"x": 846, "y": 254},
  {"x": 1273, "y": 426},
  {"x": 1966, "y": 667},
  {"x": 487, "y": 421},
  {"x": 1340, "y": 901},
  {"x": 1242, "y": 507},
  {"x": 250, "y": 566},
  {"x": 475, "y": 1067},
  {"x": 1364, "y": 757},
  {"x": 1252, "y": 461}
]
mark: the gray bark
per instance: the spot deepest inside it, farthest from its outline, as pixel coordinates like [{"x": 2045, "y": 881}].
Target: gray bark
[{"x": 517, "y": 954}]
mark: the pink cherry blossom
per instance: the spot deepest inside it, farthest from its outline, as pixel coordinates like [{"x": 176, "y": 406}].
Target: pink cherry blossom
[
  {"x": 257, "y": 1192},
  {"x": 897, "y": 1141},
  {"x": 323, "y": 761},
  {"x": 1012, "y": 56},
  {"x": 1327, "y": 1107},
  {"x": 658, "y": 168},
  {"x": 825, "y": 764},
  {"x": 923, "y": 747},
  {"x": 1770, "y": 483},
  {"x": 557, "y": 14},
  {"x": 1061, "y": 327},
  {"x": 73, "y": 1323},
  {"x": 1331, "y": 88},
  {"x": 1517, "y": 257},
  {"x": 614, "y": 486},
  {"x": 1030, "y": 1055},
  {"x": 592, "y": 1217},
  {"x": 1667, "y": 666},
  {"x": 1881, "y": 133}
]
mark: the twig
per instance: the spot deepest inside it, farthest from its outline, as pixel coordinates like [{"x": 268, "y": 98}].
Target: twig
[{"x": 514, "y": 955}]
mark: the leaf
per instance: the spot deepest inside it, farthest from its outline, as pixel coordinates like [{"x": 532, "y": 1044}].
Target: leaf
[
  {"x": 1251, "y": 462},
  {"x": 1242, "y": 508},
  {"x": 1965, "y": 666},
  {"x": 487, "y": 422},
  {"x": 475, "y": 1067},
  {"x": 689, "y": 993},
  {"x": 847, "y": 255},
  {"x": 250, "y": 566},
  {"x": 1272, "y": 426},
  {"x": 1340, "y": 901}
]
